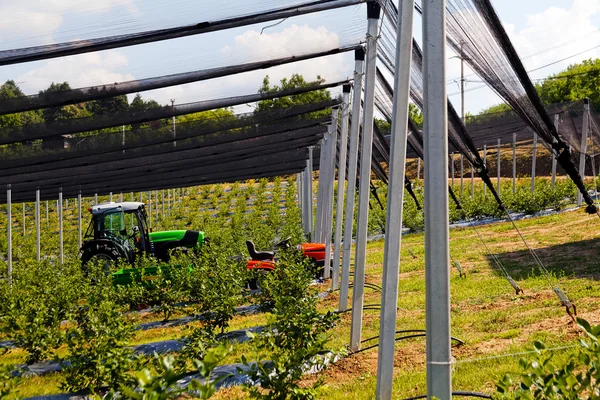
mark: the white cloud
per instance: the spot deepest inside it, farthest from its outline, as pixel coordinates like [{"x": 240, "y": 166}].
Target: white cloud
[
  {"x": 557, "y": 33},
  {"x": 252, "y": 46},
  {"x": 32, "y": 22},
  {"x": 90, "y": 69}
]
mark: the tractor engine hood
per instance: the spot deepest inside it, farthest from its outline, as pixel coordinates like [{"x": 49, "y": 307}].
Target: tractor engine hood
[{"x": 187, "y": 239}]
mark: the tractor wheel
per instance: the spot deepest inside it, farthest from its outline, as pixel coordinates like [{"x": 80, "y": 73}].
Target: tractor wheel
[{"x": 101, "y": 258}]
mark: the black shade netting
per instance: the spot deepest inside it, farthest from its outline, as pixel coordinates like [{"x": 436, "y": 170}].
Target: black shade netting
[
  {"x": 44, "y": 155},
  {"x": 55, "y": 129},
  {"x": 220, "y": 145},
  {"x": 475, "y": 33},
  {"x": 189, "y": 159},
  {"x": 225, "y": 17},
  {"x": 79, "y": 95}
]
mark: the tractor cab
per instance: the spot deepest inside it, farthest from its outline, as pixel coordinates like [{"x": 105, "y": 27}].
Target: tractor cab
[{"x": 117, "y": 231}]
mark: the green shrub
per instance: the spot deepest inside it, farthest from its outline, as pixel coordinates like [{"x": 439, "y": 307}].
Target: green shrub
[
  {"x": 295, "y": 336},
  {"x": 98, "y": 355},
  {"x": 544, "y": 377},
  {"x": 41, "y": 296}
]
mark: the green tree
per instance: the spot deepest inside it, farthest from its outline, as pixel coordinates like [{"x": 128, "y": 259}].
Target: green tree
[
  {"x": 138, "y": 104},
  {"x": 64, "y": 112},
  {"x": 220, "y": 114},
  {"x": 10, "y": 90},
  {"x": 295, "y": 81},
  {"x": 108, "y": 106},
  {"x": 415, "y": 114},
  {"x": 576, "y": 82}
]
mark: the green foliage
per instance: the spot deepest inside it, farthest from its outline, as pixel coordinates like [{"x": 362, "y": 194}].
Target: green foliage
[
  {"x": 8, "y": 382},
  {"x": 220, "y": 114},
  {"x": 98, "y": 355},
  {"x": 295, "y": 336},
  {"x": 544, "y": 376},
  {"x": 576, "y": 82},
  {"x": 42, "y": 295},
  {"x": 295, "y": 81},
  {"x": 217, "y": 286}
]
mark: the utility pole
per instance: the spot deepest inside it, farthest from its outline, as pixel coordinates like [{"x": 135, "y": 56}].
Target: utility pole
[{"x": 173, "y": 118}]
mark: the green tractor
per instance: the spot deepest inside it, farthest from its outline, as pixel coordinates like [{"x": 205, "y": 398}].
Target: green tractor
[{"x": 118, "y": 234}]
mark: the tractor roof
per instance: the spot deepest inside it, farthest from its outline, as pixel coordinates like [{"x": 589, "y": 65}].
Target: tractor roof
[{"x": 125, "y": 206}]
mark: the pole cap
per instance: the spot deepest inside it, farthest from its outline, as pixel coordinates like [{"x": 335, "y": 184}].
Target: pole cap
[{"x": 373, "y": 10}]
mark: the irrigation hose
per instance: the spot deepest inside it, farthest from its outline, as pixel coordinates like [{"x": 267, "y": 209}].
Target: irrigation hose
[{"x": 462, "y": 394}]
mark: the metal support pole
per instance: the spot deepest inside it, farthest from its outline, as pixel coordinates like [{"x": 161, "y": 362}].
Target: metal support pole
[
  {"x": 37, "y": 226},
  {"x": 395, "y": 199},
  {"x": 309, "y": 193},
  {"x": 462, "y": 171},
  {"x": 583, "y": 148},
  {"x": 156, "y": 206},
  {"x": 299, "y": 198},
  {"x": 556, "y": 121},
  {"x": 328, "y": 205},
  {"x": 339, "y": 215},
  {"x": 359, "y": 56},
  {"x": 418, "y": 169},
  {"x": 472, "y": 181},
  {"x": 121, "y": 197},
  {"x": 79, "y": 223},
  {"x": 96, "y": 198},
  {"x": 163, "y": 202},
  {"x": 169, "y": 200},
  {"x": 373, "y": 10},
  {"x": 435, "y": 133},
  {"x": 47, "y": 213},
  {"x": 323, "y": 167},
  {"x": 9, "y": 230},
  {"x": 484, "y": 162},
  {"x": 60, "y": 226},
  {"x": 499, "y": 164},
  {"x": 514, "y": 162},
  {"x": 23, "y": 219},
  {"x": 110, "y": 199},
  {"x": 533, "y": 161},
  {"x": 452, "y": 168}
]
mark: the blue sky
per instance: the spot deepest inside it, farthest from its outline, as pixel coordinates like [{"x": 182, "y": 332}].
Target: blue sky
[{"x": 543, "y": 32}]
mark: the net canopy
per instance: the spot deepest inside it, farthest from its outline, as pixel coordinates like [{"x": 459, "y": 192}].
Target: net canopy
[
  {"x": 475, "y": 32},
  {"x": 55, "y": 129},
  {"x": 222, "y": 18},
  {"x": 65, "y": 97}
]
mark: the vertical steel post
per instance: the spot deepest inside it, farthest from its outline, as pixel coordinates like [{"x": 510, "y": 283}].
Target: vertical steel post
[
  {"x": 556, "y": 122},
  {"x": 60, "y": 225},
  {"x": 437, "y": 273},
  {"x": 163, "y": 202},
  {"x": 359, "y": 56},
  {"x": 373, "y": 10},
  {"x": 47, "y": 213},
  {"x": 395, "y": 199},
  {"x": 583, "y": 148},
  {"x": 9, "y": 230},
  {"x": 484, "y": 162},
  {"x": 79, "y": 224},
  {"x": 23, "y": 218},
  {"x": 452, "y": 168},
  {"x": 418, "y": 169},
  {"x": 37, "y": 226},
  {"x": 328, "y": 205},
  {"x": 309, "y": 192},
  {"x": 462, "y": 180},
  {"x": 472, "y": 181},
  {"x": 110, "y": 199},
  {"x": 499, "y": 164},
  {"x": 533, "y": 161},
  {"x": 323, "y": 168},
  {"x": 121, "y": 197},
  {"x": 339, "y": 215},
  {"x": 299, "y": 198},
  {"x": 514, "y": 180},
  {"x": 96, "y": 198}
]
